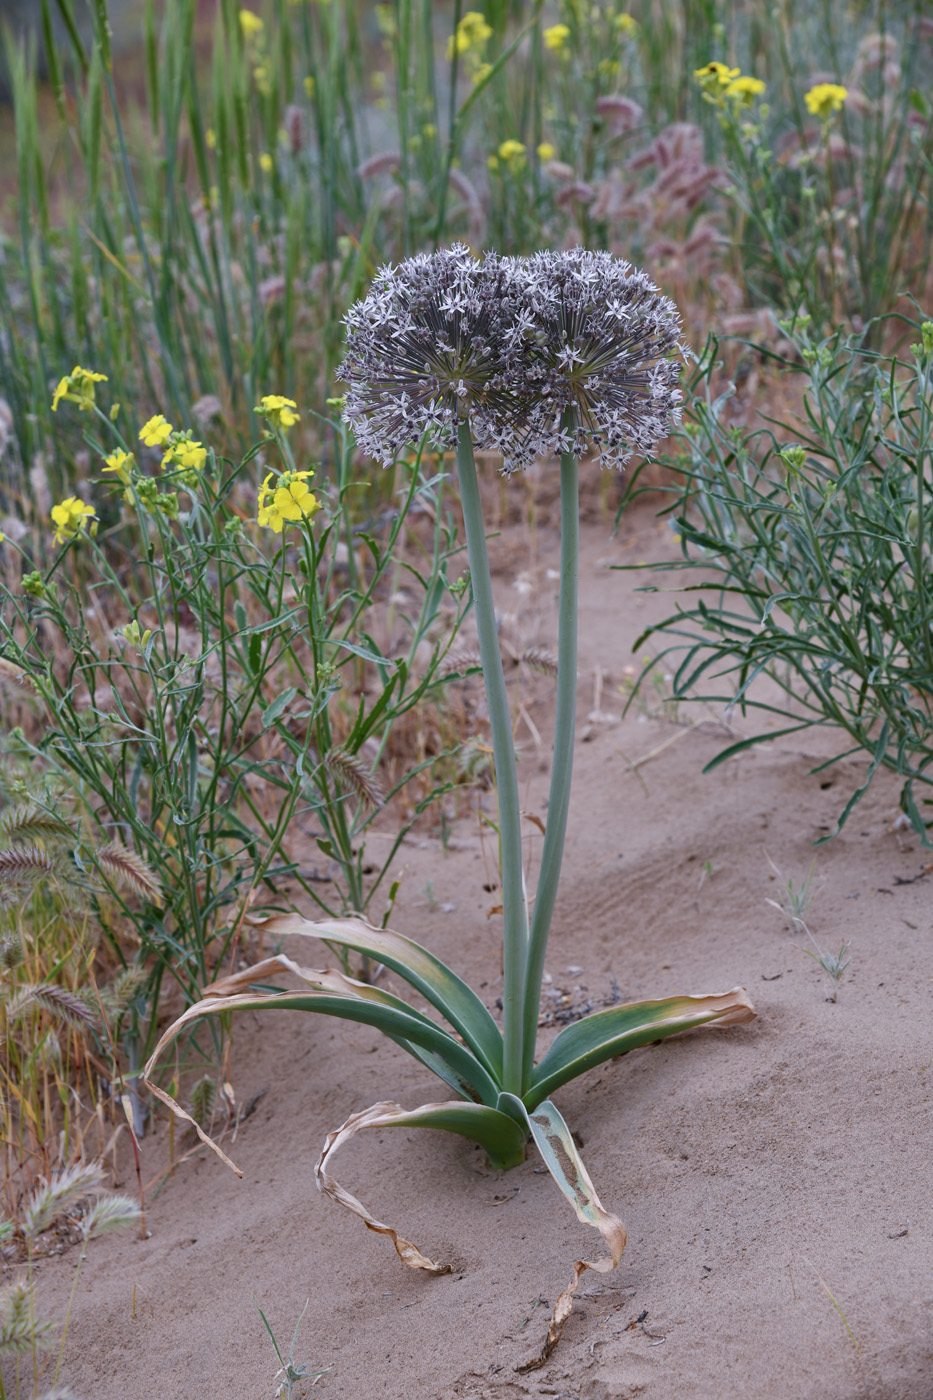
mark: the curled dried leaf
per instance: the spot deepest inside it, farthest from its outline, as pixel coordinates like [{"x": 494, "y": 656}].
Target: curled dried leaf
[{"x": 380, "y": 1115}]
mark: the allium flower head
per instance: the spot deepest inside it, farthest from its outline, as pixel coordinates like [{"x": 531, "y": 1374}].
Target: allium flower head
[
  {"x": 425, "y": 351},
  {"x": 590, "y": 353}
]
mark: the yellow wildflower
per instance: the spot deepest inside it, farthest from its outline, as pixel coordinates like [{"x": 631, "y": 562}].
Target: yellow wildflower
[
  {"x": 267, "y": 163},
  {"x": 77, "y": 387},
  {"x": 825, "y": 99},
  {"x": 744, "y": 90},
  {"x": 626, "y": 25},
  {"x": 156, "y": 432},
  {"x": 119, "y": 462},
  {"x": 278, "y": 411},
  {"x": 546, "y": 151},
  {"x": 250, "y": 24},
  {"x": 713, "y": 78},
  {"x": 481, "y": 72},
  {"x": 511, "y": 151},
  {"x": 185, "y": 453},
  {"x": 70, "y": 517},
  {"x": 471, "y": 33},
  {"x": 556, "y": 37},
  {"x": 309, "y": 86},
  {"x": 288, "y": 502},
  {"x": 210, "y": 138}
]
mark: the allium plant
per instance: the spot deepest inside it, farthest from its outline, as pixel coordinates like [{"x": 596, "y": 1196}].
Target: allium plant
[{"x": 560, "y": 350}]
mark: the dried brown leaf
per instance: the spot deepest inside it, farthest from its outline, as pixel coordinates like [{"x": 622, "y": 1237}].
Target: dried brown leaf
[{"x": 380, "y": 1115}]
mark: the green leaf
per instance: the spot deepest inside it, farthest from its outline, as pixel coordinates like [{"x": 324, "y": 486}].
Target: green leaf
[
  {"x": 332, "y": 994},
  {"x": 451, "y": 996},
  {"x": 618, "y": 1029},
  {"x": 278, "y": 707},
  {"x": 497, "y": 1133}
]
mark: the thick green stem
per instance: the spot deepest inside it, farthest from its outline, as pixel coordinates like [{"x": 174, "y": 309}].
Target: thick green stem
[
  {"x": 515, "y": 919},
  {"x": 562, "y": 766}
]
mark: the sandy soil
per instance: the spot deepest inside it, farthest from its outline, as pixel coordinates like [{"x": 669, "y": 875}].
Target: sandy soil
[{"x": 774, "y": 1179}]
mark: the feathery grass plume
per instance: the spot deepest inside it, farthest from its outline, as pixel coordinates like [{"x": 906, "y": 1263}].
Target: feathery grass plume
[
  {"x": 424, "y": 352},
  {"x": 27, "y": 821},
  {"x": 127, "y": 869},
  {"x": 109, "y": 1212},
  {"x": 592, "y": 348},
  {"x": 117, "y": 995},
  {"x": 460, "y": 660},
  {"x": 20, "y": 1329},
  {"x": 541, "y": 660},
  {"x": 203, "y": 1096},
  {"x": 69, "y": 1008},
  {"x": 24, "y": 864},
  {"x": 11, "y": 951},
  {"x": 63, "y": 1189},
  {"x": 354, "y": 776}
]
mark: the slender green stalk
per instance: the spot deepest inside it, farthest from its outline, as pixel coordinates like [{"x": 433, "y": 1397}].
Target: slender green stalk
[
  {"x": 514, "y": 912},
  {"x": 562, "y": 766}
]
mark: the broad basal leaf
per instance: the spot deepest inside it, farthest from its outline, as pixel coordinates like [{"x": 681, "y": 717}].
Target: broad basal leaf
[
  {"x": 618, "y": 1029},
  {"x": 447, "y": 993}
]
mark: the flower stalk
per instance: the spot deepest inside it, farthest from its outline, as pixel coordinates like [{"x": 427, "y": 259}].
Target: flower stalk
[
  {"x": 514, "y": 906},
  {"x": 562, "y": 766}
]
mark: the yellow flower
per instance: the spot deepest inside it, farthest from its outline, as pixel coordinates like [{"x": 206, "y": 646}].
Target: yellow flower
[
  {"x": 156, "y": 432},
  {"x": 713, "y": 78},
  {"x": 267, "y": 163},
  {"x": 289, "y": 501},
  {"x": 278, "y": 411},
  {"x": 70, "y": 518},
  {"x": 472, "y": 33},
  {"x": 210, "y": 138},
  {"x": 825, "y": 99},
  {"x": 309, "y": 86},
  {"x": 185, "y": 453},
  {"x": 744, "y": 90},
  {"x": 250, "y": 24},
  {"x": 77, "y": 387},
  {"x": 546, "y": 151},
  {"x": 482, "y": 72},
  {"x": 626, "y": 25},
  {"x": 511, "y": 151},
  {"x": 119, "y": 462},
  {"x": 556, "y": 37}
]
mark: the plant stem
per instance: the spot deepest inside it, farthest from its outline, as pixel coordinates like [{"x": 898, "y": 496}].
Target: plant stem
[
  {"x": 562, "y": 766},
  {"x": 515, "y": 915}
]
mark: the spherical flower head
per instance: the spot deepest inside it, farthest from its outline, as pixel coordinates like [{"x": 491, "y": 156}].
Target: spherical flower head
[
  {"x": 743, "y": 91},
  {"x": 825, "y": 100},
  {"x": 70, "y": 518},
  {"x": 425, "y": 352},
  {"x": 77, "y": 387},
  {"x": 156, "y": 432},
  {"x": 289, "y": 501},
  {"x": 594, "y": 356},
  {"x": 556, "y": 37},
  {"x": 513, "y": 153},
  {"x": 626, "y": 25},
  {"x": 279, "y": 412}
]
